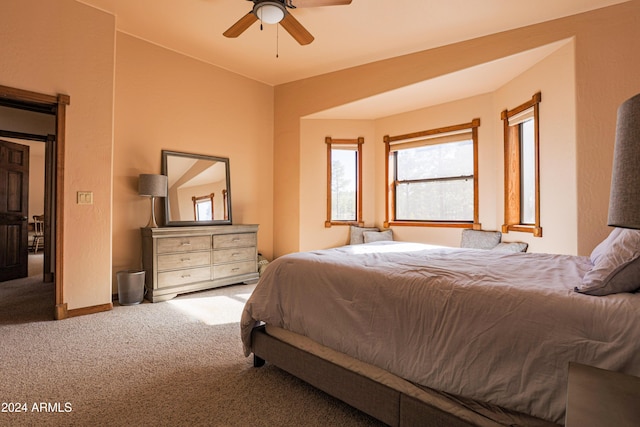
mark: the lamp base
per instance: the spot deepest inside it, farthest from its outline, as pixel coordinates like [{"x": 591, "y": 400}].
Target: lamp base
[{"x": 152, "y": 218}]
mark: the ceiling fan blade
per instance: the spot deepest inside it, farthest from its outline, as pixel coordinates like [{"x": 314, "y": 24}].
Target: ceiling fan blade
[
  {"x": 239, "y": 27},
  {"x": 295, "y": 28},
  {"x": 318, "y": 3}
]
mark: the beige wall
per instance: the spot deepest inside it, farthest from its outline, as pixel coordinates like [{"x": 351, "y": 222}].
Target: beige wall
[
  {"x": 607, "y": 66},
  {"x": 36, "y": 179},
  {"x": 164, "y": 100},
  {"x": 606, "y": 42},
  {"x": 66, "y": 47},
  {"x": 156, "y": 99},
  {"x": 554, "y": 77}
]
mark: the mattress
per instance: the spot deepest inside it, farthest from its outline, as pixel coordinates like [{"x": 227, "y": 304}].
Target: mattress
[{"x": 487, "y": 326}]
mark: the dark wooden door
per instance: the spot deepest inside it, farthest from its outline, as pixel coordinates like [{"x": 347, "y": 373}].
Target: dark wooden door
[{"x": 14, "y": 205}]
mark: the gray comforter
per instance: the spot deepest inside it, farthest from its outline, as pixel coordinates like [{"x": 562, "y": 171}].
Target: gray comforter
[{"x": 495, "y": 327}]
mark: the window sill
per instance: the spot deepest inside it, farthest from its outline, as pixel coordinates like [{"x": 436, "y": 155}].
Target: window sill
[
  {"x": 329, "y": 224},
  {"x": 535, "y": 230},
  {"x": 432, "y": 224}
]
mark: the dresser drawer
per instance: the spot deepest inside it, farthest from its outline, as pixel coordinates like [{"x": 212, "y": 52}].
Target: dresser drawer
[
  {"x": 234, "y": 240},
  {"x": 233, "y": 255},
  {"x": 234, "y": 269},
  {"x": 184, "y": 244},
  {"x": 182, "y": 277},
  {"x": 183, "y": 260}
]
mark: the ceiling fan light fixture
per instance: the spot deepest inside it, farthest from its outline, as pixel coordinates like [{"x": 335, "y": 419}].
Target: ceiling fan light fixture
[{"x": 269, "y": 12}]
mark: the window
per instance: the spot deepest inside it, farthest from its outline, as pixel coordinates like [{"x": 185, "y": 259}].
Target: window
[
  {"x": 203, "y": 207},
  {"x": 432, "y": 177},
  {"x": 522, "y": 168},
  {"x": 344, "y": 181}
]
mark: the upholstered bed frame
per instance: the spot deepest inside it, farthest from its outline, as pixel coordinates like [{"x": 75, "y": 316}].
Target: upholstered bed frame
[{"x": 378, "y": 400}]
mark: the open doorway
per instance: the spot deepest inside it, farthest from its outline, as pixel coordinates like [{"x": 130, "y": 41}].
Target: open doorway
[{"x": 32, "y": 124}]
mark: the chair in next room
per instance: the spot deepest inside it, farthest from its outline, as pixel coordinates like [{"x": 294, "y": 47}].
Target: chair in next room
[{"x": 38, "y": 233}]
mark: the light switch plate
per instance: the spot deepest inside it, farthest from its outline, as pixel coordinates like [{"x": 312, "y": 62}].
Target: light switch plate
[{"x": 85, "y": 197}]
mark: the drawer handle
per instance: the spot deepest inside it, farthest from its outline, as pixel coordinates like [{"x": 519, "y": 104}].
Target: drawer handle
[
  {"x": 185, "y": 244},
  {"x": 235, "y": 239},
  {"x": 235, "y": 269},
  {"x": 185, "y": 259},
  {"x": 185, "y": 276},
  {"x": 236, "y": 254}
]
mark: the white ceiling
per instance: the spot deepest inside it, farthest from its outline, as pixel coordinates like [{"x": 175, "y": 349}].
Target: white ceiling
[{"x": 345, "y": 36}]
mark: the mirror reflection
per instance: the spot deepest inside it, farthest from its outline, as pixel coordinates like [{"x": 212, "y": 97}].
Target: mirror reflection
[{"x": 198, "y": 189}]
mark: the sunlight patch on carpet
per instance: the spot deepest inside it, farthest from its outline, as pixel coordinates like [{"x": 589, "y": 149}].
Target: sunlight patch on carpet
[{"x": 213, "y": 310}]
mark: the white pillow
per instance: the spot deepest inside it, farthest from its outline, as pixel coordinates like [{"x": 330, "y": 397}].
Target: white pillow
[
  {"x": 617, "y": 266},
  {"x": 377, "y": 236},
  {"x": 604, "y": 245}
]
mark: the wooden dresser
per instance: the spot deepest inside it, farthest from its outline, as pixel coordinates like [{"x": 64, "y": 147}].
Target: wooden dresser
[{"x": 186, "y": 259}]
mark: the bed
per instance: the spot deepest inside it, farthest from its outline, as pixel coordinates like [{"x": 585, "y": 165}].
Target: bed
[{"x": 415, "y": 334}]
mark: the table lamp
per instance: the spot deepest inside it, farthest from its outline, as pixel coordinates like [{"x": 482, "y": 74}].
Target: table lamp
[{"x": 152, "y": 186}]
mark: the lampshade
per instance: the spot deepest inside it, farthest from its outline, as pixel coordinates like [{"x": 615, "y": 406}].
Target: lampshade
[
  {"x": 624, "y": 201},
  {"x": 269, "y": 12},
  {"x": 152, "y": 185}
]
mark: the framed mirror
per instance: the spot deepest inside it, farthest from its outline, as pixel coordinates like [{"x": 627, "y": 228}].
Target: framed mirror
[{"x": 199, "y": 190}]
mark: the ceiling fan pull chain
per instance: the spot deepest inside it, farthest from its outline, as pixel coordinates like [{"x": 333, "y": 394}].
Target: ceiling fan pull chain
[{"x": 277, "y": 41}]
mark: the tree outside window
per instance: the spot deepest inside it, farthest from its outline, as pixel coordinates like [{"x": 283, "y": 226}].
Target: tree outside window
[
  {"x": 344, "y": 181},
  {"x": 432, "y": 177}
]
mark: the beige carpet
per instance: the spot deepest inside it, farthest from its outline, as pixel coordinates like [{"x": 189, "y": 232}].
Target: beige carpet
[{"x": 165, "y": 364}]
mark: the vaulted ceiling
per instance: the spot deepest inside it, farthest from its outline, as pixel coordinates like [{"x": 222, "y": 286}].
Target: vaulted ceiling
[{"x": 345, "y": 36}]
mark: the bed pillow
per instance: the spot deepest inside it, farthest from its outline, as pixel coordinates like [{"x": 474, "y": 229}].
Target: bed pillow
[
  {"x": 511, "y": 247},
  {"x": 357, "y": 236},
  {"x": 480, "y": 239},
  {"x": 617, "y": 268},
  {"x": 605, "y": 245},
  {"x": 377, "y": 236}
]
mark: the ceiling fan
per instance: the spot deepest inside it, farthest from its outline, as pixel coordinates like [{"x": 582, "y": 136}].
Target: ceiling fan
[{"x": 275, "y": 11}]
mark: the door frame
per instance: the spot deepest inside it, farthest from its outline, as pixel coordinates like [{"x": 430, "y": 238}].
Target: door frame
[{"x": 55, "y": 104}]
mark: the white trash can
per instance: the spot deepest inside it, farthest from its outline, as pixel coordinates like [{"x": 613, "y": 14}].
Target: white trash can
[{"x": 130, "y": 287}]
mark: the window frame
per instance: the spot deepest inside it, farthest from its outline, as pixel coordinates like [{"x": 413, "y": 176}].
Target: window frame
[
  {"x": 427, "y": 135},
  {"x": 330, "y": 143},
  {"x": 197, "y": 200},
  {"x": 513, "y": 166}
]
